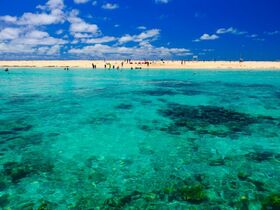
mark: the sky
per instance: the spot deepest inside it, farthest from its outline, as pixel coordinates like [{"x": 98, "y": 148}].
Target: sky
[{"x": 140, "y": 29}]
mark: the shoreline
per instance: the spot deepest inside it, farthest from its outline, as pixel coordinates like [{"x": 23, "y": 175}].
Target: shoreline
[{"x": 119, "y": 64}]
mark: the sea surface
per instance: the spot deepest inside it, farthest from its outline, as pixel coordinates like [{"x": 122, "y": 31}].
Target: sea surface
[{"x": 139, "y": 139}]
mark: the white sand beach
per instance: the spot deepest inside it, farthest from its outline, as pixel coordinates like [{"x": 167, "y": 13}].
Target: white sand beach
[{"x": 214, "y": 65}]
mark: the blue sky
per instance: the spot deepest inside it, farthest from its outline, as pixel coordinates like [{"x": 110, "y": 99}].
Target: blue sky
[{"x": 140, "y": 29}]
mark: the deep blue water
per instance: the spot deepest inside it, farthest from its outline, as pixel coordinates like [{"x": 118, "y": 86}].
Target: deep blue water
[{"x": 162, "y": 139}]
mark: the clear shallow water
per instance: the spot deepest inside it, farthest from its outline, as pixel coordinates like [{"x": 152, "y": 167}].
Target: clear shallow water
[{"x": 139, "y": 139}]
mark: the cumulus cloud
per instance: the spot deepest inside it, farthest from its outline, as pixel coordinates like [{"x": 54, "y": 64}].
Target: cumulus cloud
[
  {"x": 116, "y": 52},
  {"x": 220, "y": 32},
  {"x": 9, "y": 33},
  {"x": 110, "y": 6},
  {"x": 40, "y": 19},
  {"x": 149, "y": 34},
  {"x": 24, "y": 37},
  {"x": 51, "y": 14},
  {"x": 27, "y": 43},
  {"x": 79, "y": 28},
  {"x": 54, "y": 5},
  {"x": 27, "y": 36},
  {"x": 206, "y": 37},
  {"x": 209, "y": 37},
  {"x": 8, "y": 19},
  {"x": 24, "y": 51},
  {"x": 100, "y": 40},
  {"x": 53, "y": 50}
]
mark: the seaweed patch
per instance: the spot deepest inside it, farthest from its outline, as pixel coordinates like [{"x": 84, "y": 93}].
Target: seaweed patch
[
  {"x": 124, "y": 106},
  {"x": 211, "y": 120},
  {"x": 157, "y": 92}
]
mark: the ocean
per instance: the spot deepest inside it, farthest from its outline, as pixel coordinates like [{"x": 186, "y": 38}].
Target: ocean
[{"x": 139, "y": 139}]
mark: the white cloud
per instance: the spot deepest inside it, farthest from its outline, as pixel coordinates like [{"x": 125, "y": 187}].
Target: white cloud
[
  {"x": 110, "y": 6},
  {"x": 27, "y": 42},
  {"x": 37, "y": 38},
  {"x": 219, "y": 32},
  {"x": 149, "y": 34},
  {"x": 113, "y": 52},
  {"x": 206, "y": 37},
  {"x": 25, "y": 51},
  {"x": 209, "y": 37},
  {"x": 9, "y": 33},
  {"x": 101, "y": 40},
  {"x": 230, "y": 30},
  {"x": 39, "y": 19},
  {"x": 51, "y": 14},
  {"x": 142, "y": 27},
  {"x": 26, "y": 36},
  {"x": 30, "y": 44},
  {"x": 55, "y": 4},
  {"x": 94, "y": 3},
  {"x": 162, "y": 1},
  {"x": 126, "y": 38},
  {"x": 8, "y": 19},
  {"x": 35, "y": 34},
  {"x": 81, "y": 1},
  {"x": 78, "y": 25},
  {"x": 53, "y": 50},
  {"x": 9, "y": 48},
  {"x": 79, "y": 28}
]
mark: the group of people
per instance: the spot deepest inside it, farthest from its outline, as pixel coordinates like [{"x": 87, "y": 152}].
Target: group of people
[
  {"x": 93, "y": 66},
  {"x": 110, "y": 66}
]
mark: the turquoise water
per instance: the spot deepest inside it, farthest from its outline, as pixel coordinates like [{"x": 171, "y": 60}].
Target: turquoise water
[{"x": 85, "y": 139}]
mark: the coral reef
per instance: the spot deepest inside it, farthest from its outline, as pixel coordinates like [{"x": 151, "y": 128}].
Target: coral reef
[{"x": 271, "y": 202}]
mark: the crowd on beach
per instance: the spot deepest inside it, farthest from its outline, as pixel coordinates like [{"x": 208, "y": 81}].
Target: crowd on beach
[
  {"x": 130, "y": 64},
  {"x": 123, "y": 64},
  {"x": 140, "y": 64}
]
